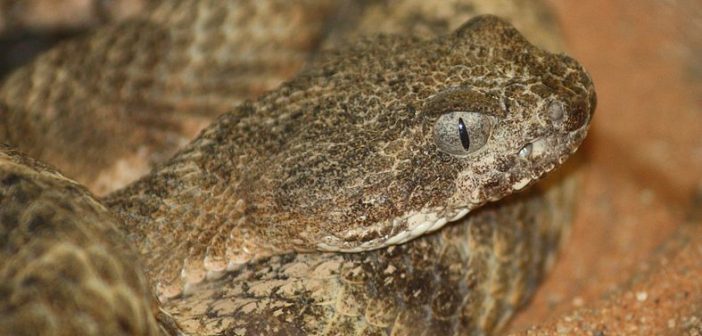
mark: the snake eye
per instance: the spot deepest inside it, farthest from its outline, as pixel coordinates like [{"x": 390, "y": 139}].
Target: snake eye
[{"x": 462, "y": 133}]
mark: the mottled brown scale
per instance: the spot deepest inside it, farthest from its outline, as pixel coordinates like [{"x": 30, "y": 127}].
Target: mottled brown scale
[
  {"x": 56, "y": 239},
  {"x": 340, "y": 151},
  {"x": 296, "y": 163},
  {"x": 92, "y": 90},
  {"x": 421, "y": 284}
]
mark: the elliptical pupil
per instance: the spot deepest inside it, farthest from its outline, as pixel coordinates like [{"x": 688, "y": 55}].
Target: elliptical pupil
[{"x": 463, "y": 134}]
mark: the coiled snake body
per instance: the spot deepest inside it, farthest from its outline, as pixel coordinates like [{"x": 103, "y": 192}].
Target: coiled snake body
[{"x": 297, "y": 213}]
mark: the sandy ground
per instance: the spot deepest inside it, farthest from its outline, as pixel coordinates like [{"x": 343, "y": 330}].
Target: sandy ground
[{"x": 627, "y": 255}]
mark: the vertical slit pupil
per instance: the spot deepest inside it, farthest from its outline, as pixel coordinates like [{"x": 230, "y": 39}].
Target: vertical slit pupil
[{"x": 463, "y": 134}]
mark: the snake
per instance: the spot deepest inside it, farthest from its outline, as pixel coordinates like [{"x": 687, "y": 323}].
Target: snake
[{"x": 388, "y": 188}]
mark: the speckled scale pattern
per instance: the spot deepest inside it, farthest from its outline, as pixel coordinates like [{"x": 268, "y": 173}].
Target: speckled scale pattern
[
  {"x": 239, "y": 48},
  {"x": 459, "y": 281},
  {"x": 370, "y": 104},
  {"x": 205, "y": 57},
  {"x": 61, "y": 251},
  {"x": 432, "y": 284}
]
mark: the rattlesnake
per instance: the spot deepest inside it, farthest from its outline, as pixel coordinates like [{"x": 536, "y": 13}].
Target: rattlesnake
[{"x": 375, "y": 144}]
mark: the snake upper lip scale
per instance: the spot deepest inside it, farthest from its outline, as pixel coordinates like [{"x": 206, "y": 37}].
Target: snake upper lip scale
[{"x": 374, "y": 145}]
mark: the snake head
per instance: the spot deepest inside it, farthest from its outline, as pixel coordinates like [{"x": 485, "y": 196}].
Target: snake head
[
  {"x": 446, "y": 126},
  {"x": 374, "y": 145}
]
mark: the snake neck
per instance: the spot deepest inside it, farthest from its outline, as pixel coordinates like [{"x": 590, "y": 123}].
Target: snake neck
[
  {"x": 187, "y": 217},
  {"x": 177, "y": 200}
]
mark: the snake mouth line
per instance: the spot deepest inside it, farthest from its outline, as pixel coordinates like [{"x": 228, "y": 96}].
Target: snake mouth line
[{"x": 404, "y": 229}]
